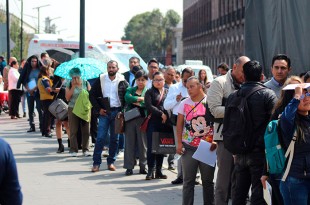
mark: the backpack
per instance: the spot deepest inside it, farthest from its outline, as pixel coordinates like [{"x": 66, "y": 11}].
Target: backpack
[
  {"x": 238, "y": 125},
  {"x": 276, "y": 154}
]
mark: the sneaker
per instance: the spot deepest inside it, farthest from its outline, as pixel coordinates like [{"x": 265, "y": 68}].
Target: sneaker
[
  {"x": 120, "y": 154},
  {"x": 86, "y": 154},
  {"x": 73, "y": 154},
  {"x": 171, "y": 167},
  {"x": 105, "y": 153}
]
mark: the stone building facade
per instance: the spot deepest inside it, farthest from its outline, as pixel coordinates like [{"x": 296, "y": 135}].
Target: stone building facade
[{"x": 213, "y": 31}]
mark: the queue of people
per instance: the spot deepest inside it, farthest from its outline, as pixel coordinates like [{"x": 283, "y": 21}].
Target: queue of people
[{"x": 178, "y": 107}]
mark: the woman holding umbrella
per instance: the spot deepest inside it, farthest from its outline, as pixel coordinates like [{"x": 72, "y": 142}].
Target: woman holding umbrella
[{"x": 73, "y": 89}]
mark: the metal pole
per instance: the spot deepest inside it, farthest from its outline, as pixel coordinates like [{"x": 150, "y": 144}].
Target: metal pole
[
  {"x": 21, "y": 31},
  {"x": 82, "y": 28},
  {"x": 38, "y": 8},
  {"x": 7, "y": 30}
]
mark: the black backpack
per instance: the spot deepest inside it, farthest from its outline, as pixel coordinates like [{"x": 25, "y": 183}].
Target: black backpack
[{"x": 238, "y": 125}]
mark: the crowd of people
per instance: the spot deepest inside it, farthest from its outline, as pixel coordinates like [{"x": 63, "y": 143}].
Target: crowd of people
[{"x": 176, "y": 103}]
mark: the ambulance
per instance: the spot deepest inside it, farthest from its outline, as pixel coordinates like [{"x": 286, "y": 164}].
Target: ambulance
[{"x": 120, "y": 51}]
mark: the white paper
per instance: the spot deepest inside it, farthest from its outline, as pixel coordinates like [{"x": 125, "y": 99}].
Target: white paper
[
  {"x": 32, "y": 84},
  {"x": 268, "y": 194},
  {"x": 203, "y": 153},
  {"x": 293, "y": 86}
]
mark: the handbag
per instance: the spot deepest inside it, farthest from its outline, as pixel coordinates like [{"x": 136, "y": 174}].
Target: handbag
[
  {"x": 132, "y": 114},
  {"x": 163, "y": 143},
  {"x": 119, "y": 123},
  {"x": 144, "y": 124},
  {"x": 59, "y": 109}
]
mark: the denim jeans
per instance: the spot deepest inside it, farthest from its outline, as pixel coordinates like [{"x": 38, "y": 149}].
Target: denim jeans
[
  {"x": 295, "y": 191},
  {"x": 106, "y": 123},
  {"x": 31, "y": 100},
  {"x": 248, "y": 171},
  {"x": 121, "y": 141}
]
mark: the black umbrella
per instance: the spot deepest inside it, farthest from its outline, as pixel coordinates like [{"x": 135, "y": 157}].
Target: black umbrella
[{"x": 60, "y": 54}]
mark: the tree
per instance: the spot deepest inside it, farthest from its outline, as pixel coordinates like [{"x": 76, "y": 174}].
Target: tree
[
  {"x": 151, "y": 33},
  {"x": 15, "y": 34}
]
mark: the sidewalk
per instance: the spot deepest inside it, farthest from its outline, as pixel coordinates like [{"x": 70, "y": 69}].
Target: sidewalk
[{"x": 50, "y": 178}]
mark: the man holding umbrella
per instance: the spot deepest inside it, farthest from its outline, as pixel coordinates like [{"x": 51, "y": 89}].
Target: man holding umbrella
[{"x": 111, "y": 86}]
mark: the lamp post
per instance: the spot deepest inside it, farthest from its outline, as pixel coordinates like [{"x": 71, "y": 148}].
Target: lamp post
[
  {"x": 82, "y": 28},
  {"x": 21, "y": 29},
  {"x": 8, "y": 30},
  {"x": 38, "y": 8}
]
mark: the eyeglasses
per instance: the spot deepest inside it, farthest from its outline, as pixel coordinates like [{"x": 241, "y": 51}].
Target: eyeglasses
[
  {"x": 158, "y": 80},
  {"x": 304, "y": 95},
  {"x": 154, "y": 67}
]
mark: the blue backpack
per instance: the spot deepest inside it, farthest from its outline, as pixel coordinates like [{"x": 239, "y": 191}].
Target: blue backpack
[{"x": 275, "y": 154}]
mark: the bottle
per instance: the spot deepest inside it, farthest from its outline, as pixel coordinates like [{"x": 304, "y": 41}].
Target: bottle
[{"x": 178, "y": 156}]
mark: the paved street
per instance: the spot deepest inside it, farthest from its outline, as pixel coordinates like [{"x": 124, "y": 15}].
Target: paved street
[{"x": 50, "y": 178}]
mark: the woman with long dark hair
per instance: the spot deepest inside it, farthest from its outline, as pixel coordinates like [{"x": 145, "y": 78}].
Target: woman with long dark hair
[
  {"x": 154, "y": 100},
  {"x": 46, "y": 96}
]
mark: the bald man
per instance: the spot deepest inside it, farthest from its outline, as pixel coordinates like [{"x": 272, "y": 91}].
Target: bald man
[{"x": 221, "y": 88}]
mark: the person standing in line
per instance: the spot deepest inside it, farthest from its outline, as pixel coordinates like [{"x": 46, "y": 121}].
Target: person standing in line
[
  {"x": 192, "y": 128},
  {"x": 111, "y": 85},
  {"x": 170, "y": 80},
  {"x": 14, "y": 93},
  {"x": 73, "y": 89},
  {"x": 10, "y": 190},
  {"x": 2, "y": 64},
  {"x": 153, "y": 67},
  {"x": 29, "y": 78},
  {"x": 296, "y": 188},
  {"x": 130, "y": 75},
  {"x": 274, "y": 179},
  {"x": 249, "y": 166},
  {"x": 176, "y": 94},
  {"x": 45, "y": 85},
  {"x": 220, "y": 88},
  {"x": 178, "y": 76},
  {"x": 154, "y": 100},
  {"x": 222, "y": 69},
  {"x": 24, "y": 96},
  {"x": 134, "y": 98},
  {"x": 280, "y": 69},
  {"x": 203, "y": 79}
]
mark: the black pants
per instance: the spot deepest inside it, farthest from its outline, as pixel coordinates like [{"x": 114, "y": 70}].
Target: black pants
[
  {"x": 248, "y": 171},
  {"x": 14, "y": 102},
  {"x": 46, "y": 117}
]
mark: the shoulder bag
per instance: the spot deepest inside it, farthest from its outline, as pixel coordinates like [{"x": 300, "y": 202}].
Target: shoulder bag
[
  {"x": 144, "y": 124},
  {"x": 58, "y": 108}
]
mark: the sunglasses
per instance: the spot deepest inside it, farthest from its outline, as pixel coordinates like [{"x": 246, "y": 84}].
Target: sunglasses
[{"x": 305, "y": 95}]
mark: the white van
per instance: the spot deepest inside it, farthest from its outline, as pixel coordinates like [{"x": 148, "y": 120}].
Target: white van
[
  {"x": 196, "y": 65},
  {"x": 120, "y": 51}
]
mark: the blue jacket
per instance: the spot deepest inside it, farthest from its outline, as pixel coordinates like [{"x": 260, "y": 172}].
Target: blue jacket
[
  {"x": 300, "y": 167},
  {"x": 10, "y": 191}
]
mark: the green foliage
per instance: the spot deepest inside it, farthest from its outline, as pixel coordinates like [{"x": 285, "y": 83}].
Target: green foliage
[
  {"x": 15, "y": 35},
  {"x": 151, "y": 33}
]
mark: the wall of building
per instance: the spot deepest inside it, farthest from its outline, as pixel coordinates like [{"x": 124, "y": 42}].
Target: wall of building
[{"x": 213, "y": 31}]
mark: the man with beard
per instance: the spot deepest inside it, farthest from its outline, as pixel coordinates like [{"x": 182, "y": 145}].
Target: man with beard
[{"x": 111, "y": 86}]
